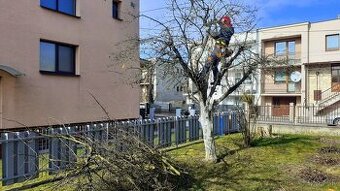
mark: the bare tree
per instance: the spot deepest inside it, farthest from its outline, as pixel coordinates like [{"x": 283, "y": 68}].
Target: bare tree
[{"x": 185, "y": 38}]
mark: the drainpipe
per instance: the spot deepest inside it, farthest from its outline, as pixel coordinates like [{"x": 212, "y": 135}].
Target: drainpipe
[
  {"x": 317, "y": 83},
  {"x": 307, "y": 67}
]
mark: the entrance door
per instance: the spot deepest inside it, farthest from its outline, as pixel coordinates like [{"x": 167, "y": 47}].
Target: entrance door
[
  {"x": 281, "y": 105},
  {"x": 335, "y": 78}
]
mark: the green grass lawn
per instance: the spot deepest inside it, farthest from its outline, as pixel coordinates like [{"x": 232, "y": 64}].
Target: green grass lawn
[
  {"x": 281, "y": 163},
  {"x": 287, "y": 162}
]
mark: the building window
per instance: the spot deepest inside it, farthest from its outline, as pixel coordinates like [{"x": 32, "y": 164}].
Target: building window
[
  {"x": 57, "y": 58},
  {"x": 63, "y": 6},
  {"x": 285, "y": 48},
  {"x": 115, "y": 9},
  {"x": 291, "y": 52},
  {"x": 332, "y": 42},
  {"x": 280, "y": 76},
  {"x": 291, "y": 47},
  {"x": 280, "y": 48},
  {"x": 336, "y": 73}
]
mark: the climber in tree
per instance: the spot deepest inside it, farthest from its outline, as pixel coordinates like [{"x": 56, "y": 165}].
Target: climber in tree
[{"x": 221, "y": 45}]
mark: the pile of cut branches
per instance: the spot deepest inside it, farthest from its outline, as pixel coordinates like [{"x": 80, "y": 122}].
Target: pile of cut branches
[{"x": 126, "y": 163}]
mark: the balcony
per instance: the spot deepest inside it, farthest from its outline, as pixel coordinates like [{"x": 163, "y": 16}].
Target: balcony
[
  {"x": 291, "y": 59},
  {"x": 286, "y": 60},
  {"x": 281, "y": 88},
  {"x": 248, "y": 87}
]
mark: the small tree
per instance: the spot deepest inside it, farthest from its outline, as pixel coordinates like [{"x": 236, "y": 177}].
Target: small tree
[
  {"x": 248, "y": 114},
  {"x": 185, "y": 38}
]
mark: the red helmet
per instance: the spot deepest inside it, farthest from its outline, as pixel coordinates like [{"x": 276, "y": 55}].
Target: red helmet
[{"x": 226, "y": 21}]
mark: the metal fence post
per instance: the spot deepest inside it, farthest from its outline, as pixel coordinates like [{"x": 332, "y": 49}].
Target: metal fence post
[
  {"x": 150, "y": 133},
  {"x": 291, "y": 113},
  {"x": 7, "y": 158},
  {"x": 196, "y": 127},
  {"x": 177, "y": 130},
  {"x": 170, "y": 125},
  {"x": 191, "y": 128},
  {"x": 152, "y": 113},
  {"x": 160, "y": 130},
  {"x": 227, "y": 123},
  {"x": 233, "y": 122},
  {"x": 297, "y": 113},
  {"x": 54, "y": 152},
  {"x": 64, "y": 149},
  {"x": 221, "y": 124},
  {"x": 183, "y": 128}
]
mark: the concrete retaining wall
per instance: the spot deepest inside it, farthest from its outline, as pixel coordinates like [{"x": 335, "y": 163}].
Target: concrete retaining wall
[{"x": 264, "y": 128}]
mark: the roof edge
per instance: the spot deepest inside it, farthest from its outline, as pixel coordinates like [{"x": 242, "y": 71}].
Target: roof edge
[{"x": 284, "y": 26}]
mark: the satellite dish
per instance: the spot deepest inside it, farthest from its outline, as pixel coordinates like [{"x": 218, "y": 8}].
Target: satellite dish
[{"x": 295, "y": 76}]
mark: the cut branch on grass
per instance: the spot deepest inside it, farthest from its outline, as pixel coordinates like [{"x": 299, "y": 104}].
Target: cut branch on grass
[{"x": 132, "y": 166}]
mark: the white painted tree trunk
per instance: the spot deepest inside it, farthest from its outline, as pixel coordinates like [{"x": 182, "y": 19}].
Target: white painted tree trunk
[{"x": 206, "y": 121}]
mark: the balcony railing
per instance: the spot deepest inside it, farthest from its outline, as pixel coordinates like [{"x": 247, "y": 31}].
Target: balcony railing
[
  {"x": 294, "y": 59},
  {"x": 285, "y": 88},
  {"x": 291, "y": 59},
  {"x": 246, "y": 88}
]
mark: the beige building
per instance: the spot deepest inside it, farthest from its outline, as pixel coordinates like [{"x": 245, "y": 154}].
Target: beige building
[
  {"x": 55, "y": 55},
  {"x": 311, "y": 75},
  {"x": 165, "y": 86},
  {"x": 146, "y": 82}
]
